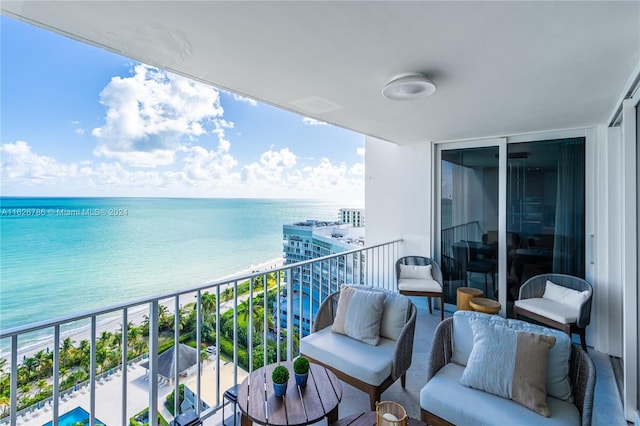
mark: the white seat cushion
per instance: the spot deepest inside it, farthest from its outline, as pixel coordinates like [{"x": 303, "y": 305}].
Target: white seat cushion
[
  {"x": 564, "y": 314},
  {"x": 445, "y": 397},
  {"x": 371, "y": 364},
  {"x": 414, "y": 284}
]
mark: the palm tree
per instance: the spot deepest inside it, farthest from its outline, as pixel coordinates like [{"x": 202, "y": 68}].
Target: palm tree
[
  {"x": 30, "y": 364},
  {"x": 83, "y": 353},
  {"x": 257, "y": 317},
  {"x": 23, "y": 374},
  {"x": 208, "y": 304},
  {"x": 117, "y": 339},
  {"x": 164, "y": 320},
  {"x": 44, "y": 363},
  {"x": 67, "y": 345},
  {"x": 106, "y": 337},
  {"x": 184, "y": 315}
]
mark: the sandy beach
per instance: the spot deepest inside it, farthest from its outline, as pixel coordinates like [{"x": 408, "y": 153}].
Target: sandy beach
[{"x": 113, "y": 323}]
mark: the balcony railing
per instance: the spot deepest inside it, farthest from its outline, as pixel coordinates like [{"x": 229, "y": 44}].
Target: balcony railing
[{"x": 263, "y": 300}]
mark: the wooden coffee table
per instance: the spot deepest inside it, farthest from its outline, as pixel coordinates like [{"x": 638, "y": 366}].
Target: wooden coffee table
[
  {"x": 368, "y": 419},
  {"x": 300, "y": 405}
]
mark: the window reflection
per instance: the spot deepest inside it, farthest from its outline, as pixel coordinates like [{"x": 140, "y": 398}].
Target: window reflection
[
  {"x": 469, "y": 215},
  {"x": 545, "y": 210}
]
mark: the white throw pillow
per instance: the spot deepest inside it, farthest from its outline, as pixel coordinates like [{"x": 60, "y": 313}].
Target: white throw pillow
[
  {"x": 421, "y": 272},
  {"x": 564, "y": 295},
  {"x": 359, "y": 313}
]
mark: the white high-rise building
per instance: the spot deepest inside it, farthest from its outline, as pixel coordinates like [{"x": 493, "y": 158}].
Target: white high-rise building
[
  {"x": 312, "y": 239},
  {"x": 352, "y": 216}
]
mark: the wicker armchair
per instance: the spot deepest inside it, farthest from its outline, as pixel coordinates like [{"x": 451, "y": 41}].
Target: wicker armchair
[
  {"x": 400, "y": 361},
  {"x": 421, "y": 287},
  {"x": 534, "y": 288},
  {"x": 582, "y": 373}
]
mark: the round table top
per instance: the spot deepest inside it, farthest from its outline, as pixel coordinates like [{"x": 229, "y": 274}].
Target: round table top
[
  {"x": 483, "y": 304},
  {"x": 299, "y": 406},
  {"x": 470, "y": 290}
]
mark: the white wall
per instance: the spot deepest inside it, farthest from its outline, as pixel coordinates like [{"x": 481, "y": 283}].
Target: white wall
[{"x": 398, "y": 195}]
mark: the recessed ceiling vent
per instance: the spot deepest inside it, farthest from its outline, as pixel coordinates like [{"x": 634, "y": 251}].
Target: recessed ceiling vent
[{"x": 315, "y": 105}]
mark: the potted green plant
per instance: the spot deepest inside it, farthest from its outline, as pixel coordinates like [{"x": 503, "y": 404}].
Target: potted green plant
[
  {"x": 280, "y": 377},
  {"x": 301, "y": 370}
]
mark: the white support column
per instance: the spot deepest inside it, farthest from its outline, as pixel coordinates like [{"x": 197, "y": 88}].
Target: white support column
[{"x": 630, "y": 257}]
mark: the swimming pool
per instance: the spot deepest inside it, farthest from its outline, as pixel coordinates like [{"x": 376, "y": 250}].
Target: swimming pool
[{"x": 76, "y": 416}]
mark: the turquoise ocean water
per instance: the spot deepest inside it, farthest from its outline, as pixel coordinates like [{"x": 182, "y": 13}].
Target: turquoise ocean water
[{"x": 61, "y": 256}]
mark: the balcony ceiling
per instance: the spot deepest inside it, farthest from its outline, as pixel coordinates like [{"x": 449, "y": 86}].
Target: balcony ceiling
[{"x": 500, "y": 67}]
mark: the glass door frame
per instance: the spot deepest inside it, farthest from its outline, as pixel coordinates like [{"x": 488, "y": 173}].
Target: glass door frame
[{"x": 501, "y": 144}]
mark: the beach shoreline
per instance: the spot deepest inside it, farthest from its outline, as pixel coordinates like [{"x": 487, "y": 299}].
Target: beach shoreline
[{"x": 135, "y": 315}]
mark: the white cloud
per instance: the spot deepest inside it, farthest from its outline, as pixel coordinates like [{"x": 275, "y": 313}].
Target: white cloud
[
  {"x": 313, "y": 122},
  {"x": 80, "y": 131},
  {"x": 357, "y": 170},
  {"x": 269, "y": 169},
  {"x": 244, "y": 99},
  {"x": 208, "y": 167},
  {"x": 21, "y": 165},
  {"x": 199, "y": 172},
  {"x": 153, "y": 114},
  {"x": 360, "y": 151}
]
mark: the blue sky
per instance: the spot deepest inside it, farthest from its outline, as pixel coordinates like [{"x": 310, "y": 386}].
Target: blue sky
[{"x": 80, "y": 121}]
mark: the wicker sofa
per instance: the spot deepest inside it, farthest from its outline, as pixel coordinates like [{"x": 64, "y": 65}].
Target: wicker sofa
[
  {"x": 444, "y": 401},
  {"x": 371, "y": 369}
]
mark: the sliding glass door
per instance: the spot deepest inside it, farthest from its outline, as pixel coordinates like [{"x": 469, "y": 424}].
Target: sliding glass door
[
  {"x": 538, "y": 228},
  {"x": 545, "y": 209},
  {"x": 469, "y": 219}
]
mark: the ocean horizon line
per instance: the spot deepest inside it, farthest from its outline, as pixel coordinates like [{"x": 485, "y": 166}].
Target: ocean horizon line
[{"x": 357, "y": 204}]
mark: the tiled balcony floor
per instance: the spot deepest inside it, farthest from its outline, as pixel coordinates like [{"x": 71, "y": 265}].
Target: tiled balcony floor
[{"x": 607, "y": 404}]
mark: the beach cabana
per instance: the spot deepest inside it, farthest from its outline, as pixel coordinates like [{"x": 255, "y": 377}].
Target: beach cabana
[{"x": 187, "y": 358}]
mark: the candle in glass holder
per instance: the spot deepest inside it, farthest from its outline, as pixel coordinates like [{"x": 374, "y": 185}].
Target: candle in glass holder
[{"x": 388, "y": 419}]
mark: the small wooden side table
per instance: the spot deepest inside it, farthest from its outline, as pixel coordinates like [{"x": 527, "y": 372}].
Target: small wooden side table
[
  {"x": 464, "y": 294},
  {"x": 487, "y": 306},
  {"x": 299, "y": 406}
]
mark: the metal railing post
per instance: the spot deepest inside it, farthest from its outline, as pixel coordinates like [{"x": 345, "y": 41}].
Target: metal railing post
[
  {"x": 14, "y": 379},
  {"x": 56, "y": 373},
  {"x": 176, "y": 355},
  {"x": 290, "y": 314},
  {"x": 125, "y": 363},
  {"x": 92, "y": 373},
  {"x": 153, "y": 363}
]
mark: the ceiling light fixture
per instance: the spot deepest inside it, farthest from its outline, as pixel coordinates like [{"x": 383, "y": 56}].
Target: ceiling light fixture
[{"x": 405, "y": 87}]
